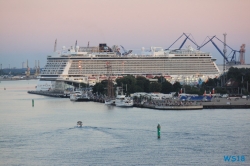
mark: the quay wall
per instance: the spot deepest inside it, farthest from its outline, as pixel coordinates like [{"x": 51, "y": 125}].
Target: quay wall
[
  {"x": 219, "y": 103},
  {"x": 47, "y": 93}
]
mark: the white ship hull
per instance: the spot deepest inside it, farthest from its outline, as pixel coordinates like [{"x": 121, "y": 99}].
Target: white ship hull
[{"x": 82, "y": 65}]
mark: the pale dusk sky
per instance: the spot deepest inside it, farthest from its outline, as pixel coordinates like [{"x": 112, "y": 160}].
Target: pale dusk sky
[{"x": 28, "y": 28}]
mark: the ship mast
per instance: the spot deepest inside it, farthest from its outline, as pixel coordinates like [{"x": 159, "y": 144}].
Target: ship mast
[{"x": 110, "y": 83}]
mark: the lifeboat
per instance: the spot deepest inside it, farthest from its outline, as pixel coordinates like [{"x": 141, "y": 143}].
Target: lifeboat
[
  {"x": 150, "y": 76},
  {"x": 103, "y": 78},
  {"x": 91, "y": 78},
  {"x": 167, "y": 77},
  {"x": 113, "y": 77}
]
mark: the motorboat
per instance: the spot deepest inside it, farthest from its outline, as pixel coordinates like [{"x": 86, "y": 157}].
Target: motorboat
[
  {"x": 79, "y": 96},
  {"x": 123, "y": 101},
  {"x": 110, "y": 101},
  {"x": 75, "y": 95},
  {"x": 79, "y": 124}
]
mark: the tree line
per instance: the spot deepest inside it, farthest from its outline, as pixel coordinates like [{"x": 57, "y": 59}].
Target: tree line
[{"x": 131, "y": 84}]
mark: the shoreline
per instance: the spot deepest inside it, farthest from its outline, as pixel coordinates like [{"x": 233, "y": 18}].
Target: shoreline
[
  {"x": 23, "y": 79},
  {"x": 221, "y": 103}
]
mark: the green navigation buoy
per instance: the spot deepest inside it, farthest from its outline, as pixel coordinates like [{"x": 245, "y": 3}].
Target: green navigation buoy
[
  {"x": 159, "y": 130},
  {"x": 32, "y": 102}
]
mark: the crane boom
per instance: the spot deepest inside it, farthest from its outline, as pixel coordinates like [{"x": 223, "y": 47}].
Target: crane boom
[
  {"x": 183, "y": 43},
  {"x": 226, "y": 58},
  {"x": 205, "y": 43},
  {"x": 219, "y": 50},
  {"x": 174, "y": 42},
  {"x": 191, "y": 40}
]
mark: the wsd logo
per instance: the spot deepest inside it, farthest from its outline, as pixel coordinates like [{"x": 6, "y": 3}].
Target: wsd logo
[{"x": 234, "y": 158}]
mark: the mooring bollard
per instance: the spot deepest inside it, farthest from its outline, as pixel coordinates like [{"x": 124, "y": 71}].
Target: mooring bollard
[
  {"x": 159, "y": 130},
  {"x": 32, "y": 102}
]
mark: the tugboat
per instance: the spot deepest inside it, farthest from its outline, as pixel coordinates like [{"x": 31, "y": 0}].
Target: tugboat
[{"x": 79, "y": 124}]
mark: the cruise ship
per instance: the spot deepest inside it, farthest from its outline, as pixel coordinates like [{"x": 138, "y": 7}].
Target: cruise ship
[{"x": 90, "y": 64}]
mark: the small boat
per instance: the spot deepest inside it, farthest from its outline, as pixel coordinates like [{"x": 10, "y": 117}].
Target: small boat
[
  {"x": 79, "y": 124},
  {"x": 123, "y": 101},
  {"x": 110, "y": 102},
  {"x": 79, "y": 96},
  {"x": 66, "y": 94}
]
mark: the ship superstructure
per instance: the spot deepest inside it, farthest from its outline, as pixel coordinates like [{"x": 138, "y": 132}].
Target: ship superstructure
[{"x": 87, "y": 64}]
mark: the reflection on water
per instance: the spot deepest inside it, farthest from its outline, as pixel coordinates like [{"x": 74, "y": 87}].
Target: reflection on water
[{"x": 46, "y": 134}]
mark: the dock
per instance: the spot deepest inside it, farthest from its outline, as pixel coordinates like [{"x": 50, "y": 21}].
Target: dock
[
  {"x": 47, "y": 93},
  {"x": 184, "y": 107},
  {"x": 221, "y": 103}
]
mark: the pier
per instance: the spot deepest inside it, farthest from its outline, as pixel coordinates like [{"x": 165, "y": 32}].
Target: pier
[
  {"x": 207, "y": 106},
  {"x": 47, "y": 93},
  {"x": 217, "y": 103}
]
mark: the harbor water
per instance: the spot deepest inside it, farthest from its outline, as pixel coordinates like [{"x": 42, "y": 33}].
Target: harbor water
[{"x": 47, "y": 134}]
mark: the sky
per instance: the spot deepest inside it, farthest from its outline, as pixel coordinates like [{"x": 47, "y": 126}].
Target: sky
[{"x": 29, "y": 28}]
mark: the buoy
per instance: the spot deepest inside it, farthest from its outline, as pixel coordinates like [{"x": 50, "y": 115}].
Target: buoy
[
  {"x": 159, "y": 130},
  {"x": 4, "y": 88},
  {"x": 32, "y": 102}
]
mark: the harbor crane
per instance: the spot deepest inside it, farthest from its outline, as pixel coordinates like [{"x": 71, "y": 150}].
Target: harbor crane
[
  {"x": 208, "y": 39},
  {"x": 125, "y": 52},
  {"x": 187, "y": 37}
]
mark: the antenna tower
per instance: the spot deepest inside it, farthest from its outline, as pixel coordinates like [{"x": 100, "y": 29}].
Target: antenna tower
[
  {"x": 35, "y": 68},
  {"x": 38, "y": 68},
  {"x": 28, "y": 70},
  {"x": 75, "y": 45},
  {"x": 55, "y": 45}
]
